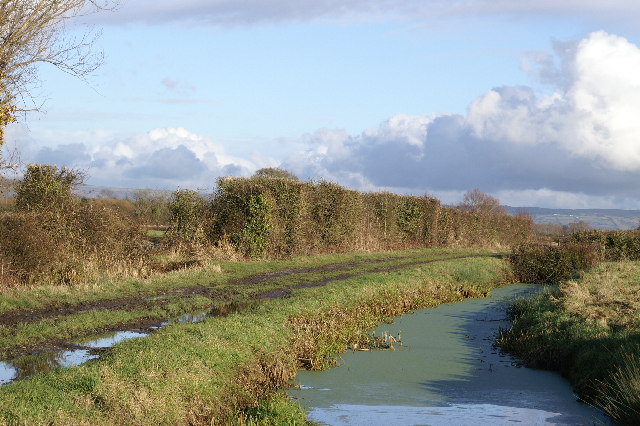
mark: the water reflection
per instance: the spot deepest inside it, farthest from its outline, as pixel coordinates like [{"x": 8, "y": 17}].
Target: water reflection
[
  {"x": 456, "y": 414},
  {"x": 110, "y": 339},
  {"x": 193, "y": 318},
  {"x": 45, "y": 362},
  {"x": 449, "y": 373},
  {"x": 86, "y": 350},
  {"x": 7, "y": 373}
]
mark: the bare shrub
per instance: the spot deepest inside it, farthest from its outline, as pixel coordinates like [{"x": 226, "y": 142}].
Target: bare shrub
[
  {"x": 479, "y": 202},
  {"x": 152, "y": 206}
]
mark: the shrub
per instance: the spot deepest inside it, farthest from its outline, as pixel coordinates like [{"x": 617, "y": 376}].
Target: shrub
[
  {"x": 545, "y": 264},
  {"x": 617, "y": 245},
  {"x": 68, "y": 248},
  {"x": 58, "y": 239},
  {"x": 46, "y": 187},
  {"x": 188, "y": 216}
]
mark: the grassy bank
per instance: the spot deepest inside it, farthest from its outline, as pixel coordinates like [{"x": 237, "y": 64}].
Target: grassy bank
[
  {"x": 589, "y": 330},
  {"x": 221, "y": 369}
]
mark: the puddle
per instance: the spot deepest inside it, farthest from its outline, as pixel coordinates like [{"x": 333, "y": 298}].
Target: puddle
[
  {"x": 7, "y": 373},
  {"x": 108, "y": 340},
  {"x": 89, "y": 349},
  {"x": 448, "y": 373},
  {"x": 193, "y": 318}
]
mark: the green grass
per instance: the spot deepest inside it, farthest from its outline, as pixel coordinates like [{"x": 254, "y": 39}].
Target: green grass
[
  {"x": 589, "y": 330},
  {"x": 224, "y": 366},
  {"x": 85, "y": 323},
  {"x": 213, "y": 272}
]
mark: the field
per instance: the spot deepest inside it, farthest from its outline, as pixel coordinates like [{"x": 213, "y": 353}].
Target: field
[
  {"x": 229, "y": 294},
  {"x": 290, "y": 314}
]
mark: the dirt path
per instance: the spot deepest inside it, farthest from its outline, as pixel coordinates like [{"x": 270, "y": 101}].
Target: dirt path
[{"x": 222, "y": 294}]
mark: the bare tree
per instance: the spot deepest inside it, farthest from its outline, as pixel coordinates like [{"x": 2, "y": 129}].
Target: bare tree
[
  {"x": 477, "y": 201},
  {"x": 33, "y": 32}
]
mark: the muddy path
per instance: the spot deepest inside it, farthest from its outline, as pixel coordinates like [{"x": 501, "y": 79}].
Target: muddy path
[{"x": 226, "y": 297}]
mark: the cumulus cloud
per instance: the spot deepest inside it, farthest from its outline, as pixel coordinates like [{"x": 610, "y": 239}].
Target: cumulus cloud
[
  {"x": 63, "y": 155},
  {"x": 592, "y": 116},
  {"x": 233, "y": 12},
  {"x": 160, "y": 158},
  {"x": 582, "y": 137}
]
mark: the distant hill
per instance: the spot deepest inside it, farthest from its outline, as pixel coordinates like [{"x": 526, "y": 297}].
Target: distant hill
[{"x": 596, "y": 218}]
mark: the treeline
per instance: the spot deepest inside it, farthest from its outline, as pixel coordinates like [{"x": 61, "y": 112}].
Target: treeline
[
  {"x": 279, "y": 217},
  {"x": 52, "y": 236}
]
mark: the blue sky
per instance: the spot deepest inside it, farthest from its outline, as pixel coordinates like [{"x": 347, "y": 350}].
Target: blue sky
[{"x": 533, "y": 102}]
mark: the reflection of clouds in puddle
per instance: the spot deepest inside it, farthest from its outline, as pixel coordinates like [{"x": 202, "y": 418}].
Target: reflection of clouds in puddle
[
  {"x": 108, "y": 340},
  {"x": 467, "y": 414},
  {"x": 7, "y": 373},
  {"x": 73, "y": 358},
  {"x": 22, "y": 367},
  {"x": 27, "y": 366}
]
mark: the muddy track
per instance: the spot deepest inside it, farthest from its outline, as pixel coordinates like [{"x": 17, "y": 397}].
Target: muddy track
[
  {"x": 221, "y": 300},
  {"x": 24, "y": 316}
]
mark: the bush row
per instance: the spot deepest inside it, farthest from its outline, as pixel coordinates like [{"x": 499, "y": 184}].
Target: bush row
[
  {"x": 279, "y": 217},
  {"x": 616, "y": 245},
  {"x": 56, "y": 238},
  {"x": 551, "y": 264}
]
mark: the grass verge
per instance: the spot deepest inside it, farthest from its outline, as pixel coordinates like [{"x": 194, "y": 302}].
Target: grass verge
[
  {"x": 230, "y": 368},
  {"x": 588, "y": 330}
]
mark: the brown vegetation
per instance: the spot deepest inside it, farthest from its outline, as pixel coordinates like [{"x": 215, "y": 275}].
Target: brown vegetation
[
  {"x": 53, "y": 236},
  {"x": 56, "y": 238},
  {"x": 283, "y": 217}
]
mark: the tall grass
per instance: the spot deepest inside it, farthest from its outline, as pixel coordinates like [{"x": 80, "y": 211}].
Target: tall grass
[
  {"x": 619, "y": 396},
  {"x": 588, "y": 329}
]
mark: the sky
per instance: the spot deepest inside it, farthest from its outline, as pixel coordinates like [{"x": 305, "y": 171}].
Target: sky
[{"x": 536, "y": 103}]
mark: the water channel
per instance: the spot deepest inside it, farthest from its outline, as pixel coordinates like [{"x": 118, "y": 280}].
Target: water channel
[{"x": 447, "y": 372}]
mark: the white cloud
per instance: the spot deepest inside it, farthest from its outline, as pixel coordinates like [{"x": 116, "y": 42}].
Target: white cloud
[
  {"x": 160, "y": 158},
  {"x": 579, "y": 143},
  {"x": 595, "y": 116}
]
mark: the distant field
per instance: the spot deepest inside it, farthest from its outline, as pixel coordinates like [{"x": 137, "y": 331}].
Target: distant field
[{"x": 614, "y": 219}]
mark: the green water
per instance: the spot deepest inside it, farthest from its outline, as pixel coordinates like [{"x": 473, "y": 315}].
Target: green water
[{"x": 447, "y": 372}]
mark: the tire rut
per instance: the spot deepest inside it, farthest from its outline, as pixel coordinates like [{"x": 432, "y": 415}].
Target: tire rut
[{"x": 220, "y": 306}]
